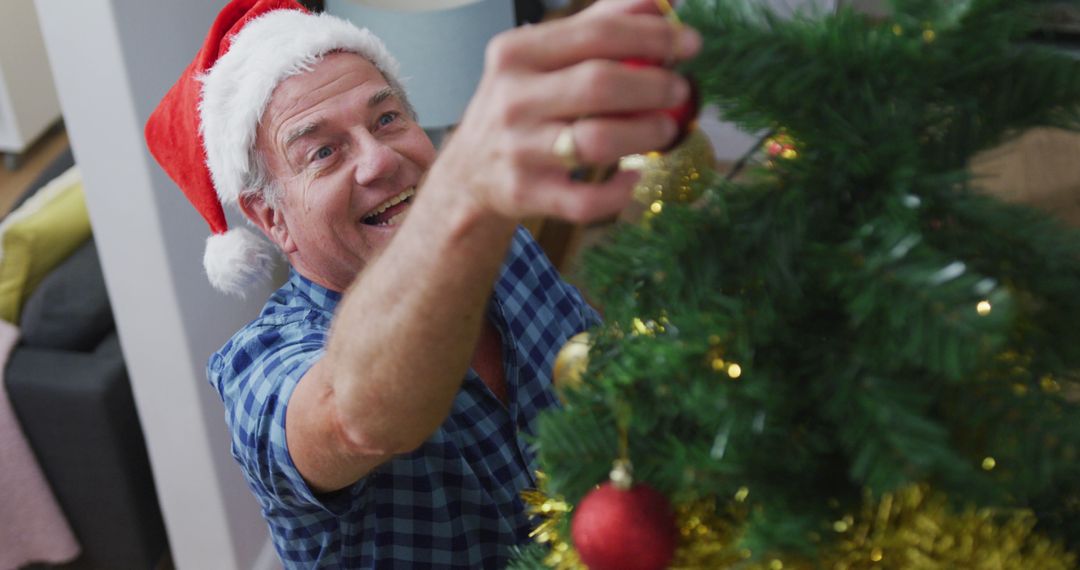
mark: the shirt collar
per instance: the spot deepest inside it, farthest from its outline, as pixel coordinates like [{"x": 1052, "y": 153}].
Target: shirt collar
[{"x": 317, "y": 295}]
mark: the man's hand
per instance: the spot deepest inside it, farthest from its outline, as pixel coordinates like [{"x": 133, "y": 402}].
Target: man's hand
[{"x": 539, "y": 80}]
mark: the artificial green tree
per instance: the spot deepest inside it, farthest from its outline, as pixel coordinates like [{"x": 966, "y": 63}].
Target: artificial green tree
[{"x": 849, "y": 356}]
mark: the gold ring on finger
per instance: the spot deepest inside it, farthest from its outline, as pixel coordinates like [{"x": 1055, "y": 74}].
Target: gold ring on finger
[{"x": 565, "y": 149}]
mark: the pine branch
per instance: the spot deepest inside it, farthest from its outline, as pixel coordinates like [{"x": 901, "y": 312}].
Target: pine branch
[
  {"x": 530, "y": 557},
  {"x": 1032, "y": 254},
  {"x": 575, "y": 449}
]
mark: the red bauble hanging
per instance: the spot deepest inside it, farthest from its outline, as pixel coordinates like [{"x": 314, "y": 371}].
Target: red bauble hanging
[{"x": 633, "y": 529}]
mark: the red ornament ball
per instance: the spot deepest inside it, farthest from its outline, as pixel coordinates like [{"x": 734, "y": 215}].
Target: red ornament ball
[
  {"x": 683, "y": 115},
  {"x": 633, "y": 529}
]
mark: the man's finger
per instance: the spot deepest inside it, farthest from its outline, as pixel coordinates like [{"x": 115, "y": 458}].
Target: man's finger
[
  {"x": 600, "y": 87},
  {"x": 564, "y": 43},
  {"x": 602, "y": 141},
  {"x": 582, "y": 202}
]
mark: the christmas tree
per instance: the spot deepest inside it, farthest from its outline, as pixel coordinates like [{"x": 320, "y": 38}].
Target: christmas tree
[{"x": 848, "y": 356}]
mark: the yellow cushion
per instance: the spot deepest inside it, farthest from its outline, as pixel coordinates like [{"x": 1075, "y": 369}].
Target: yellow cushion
[{"x": 37, "y": 236}]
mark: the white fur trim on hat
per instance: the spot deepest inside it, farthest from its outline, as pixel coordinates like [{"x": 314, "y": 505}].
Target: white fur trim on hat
[
  {"x": 238, "y": 258},
  {"x": 267, "y": 50}
]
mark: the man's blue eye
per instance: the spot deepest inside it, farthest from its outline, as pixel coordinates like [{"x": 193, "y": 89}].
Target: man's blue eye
[
  {"x": 387, "y": 118},
  {"x": 323, "y": 153}
]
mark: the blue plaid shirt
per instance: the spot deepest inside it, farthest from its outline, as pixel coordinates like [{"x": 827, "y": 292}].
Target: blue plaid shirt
[{"x": 452, "y": 503}]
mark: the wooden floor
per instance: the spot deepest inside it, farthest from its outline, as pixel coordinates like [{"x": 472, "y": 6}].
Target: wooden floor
[{"x": 34, "y": 160}]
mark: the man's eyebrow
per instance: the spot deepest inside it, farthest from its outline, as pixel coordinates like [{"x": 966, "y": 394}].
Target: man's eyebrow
[
  {"x": 382, "y": 95},
  {"x": 301, "y": 132}
]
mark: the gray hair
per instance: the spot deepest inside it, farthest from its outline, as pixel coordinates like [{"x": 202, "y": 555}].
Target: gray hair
[{"x": 258, "y": 181}]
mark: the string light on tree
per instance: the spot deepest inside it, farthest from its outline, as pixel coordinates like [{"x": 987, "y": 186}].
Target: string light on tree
[
  {"x": 721, "y": 365},
  {"x": 928, "y": 33},
  {"x": 780, "y": 147}
]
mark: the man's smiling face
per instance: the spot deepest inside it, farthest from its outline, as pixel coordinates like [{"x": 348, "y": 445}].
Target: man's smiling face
[{"x": 340, "y": 143}]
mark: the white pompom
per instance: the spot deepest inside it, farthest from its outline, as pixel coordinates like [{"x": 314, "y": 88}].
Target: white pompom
[{"x": 238, "y": 259}]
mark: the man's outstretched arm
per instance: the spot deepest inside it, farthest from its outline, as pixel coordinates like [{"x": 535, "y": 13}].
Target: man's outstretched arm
[{"x": 405, "y": 330}]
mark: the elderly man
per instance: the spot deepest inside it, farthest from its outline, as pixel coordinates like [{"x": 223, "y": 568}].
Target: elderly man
[{"x": 379, "y": 403}]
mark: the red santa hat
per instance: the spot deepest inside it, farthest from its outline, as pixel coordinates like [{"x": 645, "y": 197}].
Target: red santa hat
[{"x": 203, "y": 131}]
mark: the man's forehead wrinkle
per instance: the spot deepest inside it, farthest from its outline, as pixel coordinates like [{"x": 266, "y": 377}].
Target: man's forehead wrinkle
[
  {"x": 280, "y": 115},
  {"x": 297, "y": 108},
  {"x": 293, "y": 98},
  {"x": 310, "y": 96}
]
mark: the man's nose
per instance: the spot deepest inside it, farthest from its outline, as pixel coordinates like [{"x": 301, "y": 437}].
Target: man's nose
[{"x": 375, "y": 160}]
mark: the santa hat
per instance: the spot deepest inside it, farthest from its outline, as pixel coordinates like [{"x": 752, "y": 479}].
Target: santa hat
[{"x": 203, "y": 131}]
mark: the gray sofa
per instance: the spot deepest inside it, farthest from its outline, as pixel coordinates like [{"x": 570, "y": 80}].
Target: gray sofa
[{"x": 68, "y": 385}]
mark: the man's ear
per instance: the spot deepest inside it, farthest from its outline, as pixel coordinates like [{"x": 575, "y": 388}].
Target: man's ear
[{"x": 268, "y": 219}]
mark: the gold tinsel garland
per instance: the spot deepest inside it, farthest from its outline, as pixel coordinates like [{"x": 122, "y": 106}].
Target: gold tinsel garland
[
  {"x": 916, "y": 528},
  {"x": 912, "y": 529},
  {"x": 550, "y": 511}
]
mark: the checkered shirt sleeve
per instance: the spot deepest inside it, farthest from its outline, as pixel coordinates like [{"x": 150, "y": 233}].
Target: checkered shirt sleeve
[{"x": 267, "y": 359}]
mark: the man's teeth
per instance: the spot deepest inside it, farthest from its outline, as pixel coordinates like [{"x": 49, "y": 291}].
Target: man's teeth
[{"x": 409, "y": 192}]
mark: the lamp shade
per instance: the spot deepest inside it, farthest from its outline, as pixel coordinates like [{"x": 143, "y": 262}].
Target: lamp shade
[{"x": 439, "y": 43}]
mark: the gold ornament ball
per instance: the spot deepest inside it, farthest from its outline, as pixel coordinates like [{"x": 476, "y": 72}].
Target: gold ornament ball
[
  {"x": 571, "y": 363},
  {"x": 672, "y": 176}
]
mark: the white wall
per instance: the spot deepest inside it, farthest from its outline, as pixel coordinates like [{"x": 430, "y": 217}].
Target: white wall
[
  {"x": 27, "y": 98},
  {"x": 112, "y": 61}
]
